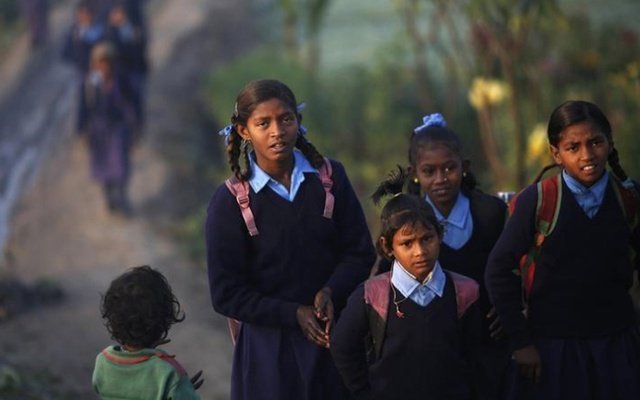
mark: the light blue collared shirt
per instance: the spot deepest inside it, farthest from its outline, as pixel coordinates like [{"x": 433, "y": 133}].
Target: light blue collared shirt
[
  {"x": 421, "y": 293},
  {"x": 458, "y": 226},
  {"x": 260, "y": 179},
  {"x": 589, "y": 198}
]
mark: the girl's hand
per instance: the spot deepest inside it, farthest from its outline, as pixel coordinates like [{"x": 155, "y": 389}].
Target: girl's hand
[
  {"x": 324, "y": 309},
  {"x": 528, "y": 360},
  {"x": 495, "y": 327},
  {"x": 197, "y": 380},
  {"x": 308, "y": 322}
]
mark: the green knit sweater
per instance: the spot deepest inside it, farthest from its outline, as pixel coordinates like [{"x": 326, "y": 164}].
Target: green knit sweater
[{"x": 148, "y": 374}]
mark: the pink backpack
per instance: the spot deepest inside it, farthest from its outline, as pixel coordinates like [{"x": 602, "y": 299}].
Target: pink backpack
[{"x": 240, "y": 190}]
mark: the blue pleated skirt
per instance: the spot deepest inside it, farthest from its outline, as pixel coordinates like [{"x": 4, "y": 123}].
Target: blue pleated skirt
[
  {"x": 277, "y": 364},
  {"x": 606, "y": 368}
]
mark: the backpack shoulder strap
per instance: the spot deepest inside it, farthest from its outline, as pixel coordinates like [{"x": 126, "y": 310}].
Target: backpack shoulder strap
[
  {"x": 628, "y": 200},
  {"x": 240, "y": 190},
  {"x": 171, "y": 360},
  {"x": 548, "y": 207},
  {"x": 376, "y": 295},
  {"x": 547, "y": 210},
  {"x": 326, "y": 172},
  {"x": 467, "y": 291}
]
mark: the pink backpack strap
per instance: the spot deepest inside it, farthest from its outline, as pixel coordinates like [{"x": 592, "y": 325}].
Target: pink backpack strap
[
  {"x": 172, "y": 361},
  {"x": 325, "y": 177},
  {"x": 376, "y": 293},
  {"x": 467, "y": 291},
  {"x": 240, "y": 190},
  {"x": 234, "y": 329}
]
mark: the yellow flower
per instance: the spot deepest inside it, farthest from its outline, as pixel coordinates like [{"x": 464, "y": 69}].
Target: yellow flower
[
  {"x": 537, "y": 144},
  {"x": 486, "y": 92}
]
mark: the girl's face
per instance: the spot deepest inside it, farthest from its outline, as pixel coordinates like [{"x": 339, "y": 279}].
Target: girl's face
[
  {"x": 439, "y": 171},
  {"x": 583, "y": 152},
  {"x": 416, "y": 247},
  {"x": 272, "y": 129}
]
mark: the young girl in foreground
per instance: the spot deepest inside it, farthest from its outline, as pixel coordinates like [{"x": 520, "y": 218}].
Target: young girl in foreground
[
  {"x": 439, "y": 173},
  {"x": 287, "y": 273},
  {"x": 139, "y": 308},
  {"x": 579, "y": 338},
  {"x": 421, "y": 322}
]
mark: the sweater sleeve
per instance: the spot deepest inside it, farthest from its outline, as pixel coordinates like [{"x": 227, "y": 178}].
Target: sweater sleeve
[
  {"x": 503, "y": 285},
  {"x": 181, "y": 388},
  {"x": 348, "y": 344},
  {"x": 232, "y": 293},
  {"x": 356, "y": 254}
]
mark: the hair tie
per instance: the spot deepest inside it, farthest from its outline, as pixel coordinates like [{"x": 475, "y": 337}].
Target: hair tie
[
  {"x": 628, "y": 183},
  {"x": 301, "y": 128},
  {"x": 435, "y": 119},
  {"x": 226, "y": 131}
]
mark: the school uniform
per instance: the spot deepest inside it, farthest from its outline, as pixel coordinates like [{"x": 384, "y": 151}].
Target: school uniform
[
  {"x": 423, "y": 351},
  {"x": 261, "y": 280},
  {"x": 131, "y": 42},
  {"x": 580, "y": 314},
  {"x": 470, "y": 231}
]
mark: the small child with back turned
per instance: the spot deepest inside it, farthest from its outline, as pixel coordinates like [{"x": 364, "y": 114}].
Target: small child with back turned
[
  {"x": 139, "y": 308},
  {"x": 409, "y": 333}
]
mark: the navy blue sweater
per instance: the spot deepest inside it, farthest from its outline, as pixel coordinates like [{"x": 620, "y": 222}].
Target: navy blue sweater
[
  {"x": 263, "y": 279},
  {"x": 582, "y": 278},
  {"x": 425, "y": 355}
]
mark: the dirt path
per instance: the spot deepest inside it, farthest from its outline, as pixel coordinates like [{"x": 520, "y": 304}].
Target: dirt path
[{"x": 60, "y": 228}]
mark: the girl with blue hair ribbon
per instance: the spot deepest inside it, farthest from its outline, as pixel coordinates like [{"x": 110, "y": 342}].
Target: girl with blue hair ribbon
[
  {"x": 283, "y": 273},
  {"x": 472, "y": 221}
]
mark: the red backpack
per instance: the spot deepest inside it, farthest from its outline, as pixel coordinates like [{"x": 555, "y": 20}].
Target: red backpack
[
  {"x": 547, "y": 210},
  {"x": 240, "y": 190}
]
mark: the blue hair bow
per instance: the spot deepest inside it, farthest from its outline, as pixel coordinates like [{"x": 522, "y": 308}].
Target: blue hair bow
[
  {"x": 226, "y": 131},
  {"x": 435, "y": 119}
]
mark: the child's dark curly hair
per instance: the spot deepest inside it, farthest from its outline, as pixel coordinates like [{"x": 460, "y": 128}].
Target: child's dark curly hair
[{"x": 139, "y": 308}]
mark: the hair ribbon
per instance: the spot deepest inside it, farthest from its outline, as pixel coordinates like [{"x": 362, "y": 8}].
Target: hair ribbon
[{"x": 435, "y": 119}]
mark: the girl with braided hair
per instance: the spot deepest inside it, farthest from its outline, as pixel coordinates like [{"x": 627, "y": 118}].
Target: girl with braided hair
[
  {"x": 579, "y": 337},
  {"x": 440, "y": 174},
  {"x": 284, "y": 272}
]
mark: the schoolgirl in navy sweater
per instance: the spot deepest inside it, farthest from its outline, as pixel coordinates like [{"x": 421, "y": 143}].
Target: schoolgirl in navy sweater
[
  {"x": 287, "y": 283},
  {"x": 472, "y": 221},
  {"x": 409, "y": 333},
  {"x": 579, "y": 338}
]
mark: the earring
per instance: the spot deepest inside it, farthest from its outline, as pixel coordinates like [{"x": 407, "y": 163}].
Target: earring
[
  {"x": 464, "y": 174},
  {"x": 416, "y": 181}
]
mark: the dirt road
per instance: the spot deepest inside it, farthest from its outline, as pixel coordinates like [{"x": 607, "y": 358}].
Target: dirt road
[{"x": 60, "y": 228}]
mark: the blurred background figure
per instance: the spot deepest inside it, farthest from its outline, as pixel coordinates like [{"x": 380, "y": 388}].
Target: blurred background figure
[
  {"x": 84, "y": 33},
  {"x": 36, "y": 13},
  {"x": 130, "y": 41},
  {"x": 106, "y": 120}
]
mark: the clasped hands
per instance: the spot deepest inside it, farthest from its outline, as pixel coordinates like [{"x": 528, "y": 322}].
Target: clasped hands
[{"x": 316, "y": 320}]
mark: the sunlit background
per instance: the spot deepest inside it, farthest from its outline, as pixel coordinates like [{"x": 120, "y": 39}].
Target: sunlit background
[{"x": 368, "y": 70}]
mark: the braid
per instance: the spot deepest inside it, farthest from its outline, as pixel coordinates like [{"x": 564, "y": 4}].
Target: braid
[
  {"x": 244, "y": 147},
  {"x": 310, "y": 152},
  {"x": 614, "y": 163},
  {"x": 392, "y": 185},
  {"x": 468, "y": 183},
  {"x": 233, "y": 153}
]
